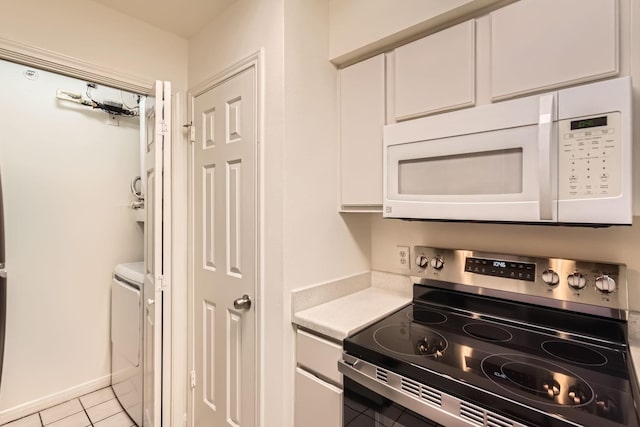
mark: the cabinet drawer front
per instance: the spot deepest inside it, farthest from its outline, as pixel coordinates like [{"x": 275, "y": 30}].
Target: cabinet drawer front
[
  {"x": 319, "y": 355},
  {"x": 317, "y": 403}
]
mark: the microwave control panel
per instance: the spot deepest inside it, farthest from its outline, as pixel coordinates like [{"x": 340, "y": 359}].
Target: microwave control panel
[{"x": 590, "y": 157}]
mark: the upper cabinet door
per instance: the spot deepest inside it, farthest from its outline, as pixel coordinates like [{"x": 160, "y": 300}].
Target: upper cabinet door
[
  {"x": 362, "y": 116},
  {"x": 436, "y": 73},
  {"x": 543, "y": 44}
]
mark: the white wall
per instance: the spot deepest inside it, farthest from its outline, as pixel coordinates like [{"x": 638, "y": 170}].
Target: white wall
[
  {"x": 245, "y": 27},
  {"x": 65, "y": 176},
  {"x": 94, "y": 33},
  {"x": 319, "y": 243}
]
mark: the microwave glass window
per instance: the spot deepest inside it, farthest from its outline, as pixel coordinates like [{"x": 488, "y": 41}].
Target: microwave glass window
[{"x": 487, "y": 172}]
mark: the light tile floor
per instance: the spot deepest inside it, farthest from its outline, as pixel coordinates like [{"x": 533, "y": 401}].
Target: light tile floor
[{"x": 99, "y": 409}]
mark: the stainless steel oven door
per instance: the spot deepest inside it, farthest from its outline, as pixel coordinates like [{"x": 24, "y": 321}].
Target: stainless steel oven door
[
  {"x": 364, "y": 408},
  {"x": 382, "y": 395}
]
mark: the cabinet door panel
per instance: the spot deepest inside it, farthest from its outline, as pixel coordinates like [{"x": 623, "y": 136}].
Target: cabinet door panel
[
  {"x": 362, "y": 116},
  {"x": 436, "y": 73},
  {"x": 317, "y": 404},
  {"x": 542, "y": 44}
]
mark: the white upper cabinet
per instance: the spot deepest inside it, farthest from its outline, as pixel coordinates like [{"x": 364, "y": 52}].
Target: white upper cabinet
[
  {"x": 435, "y": 73},
  {"x": 527, "y": 46},
  {"x": 543, "y": 44},
  {"x": 362, "y": 116}
]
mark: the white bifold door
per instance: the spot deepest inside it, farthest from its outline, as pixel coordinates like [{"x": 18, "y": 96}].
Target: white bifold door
[{"x": 156, "y": 253}]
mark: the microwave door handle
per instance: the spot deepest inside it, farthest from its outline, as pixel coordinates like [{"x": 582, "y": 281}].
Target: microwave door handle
[{"x": 545, "y": 129}]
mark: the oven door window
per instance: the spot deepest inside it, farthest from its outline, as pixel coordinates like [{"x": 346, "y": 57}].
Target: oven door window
[{"x": 364, "y": 408}]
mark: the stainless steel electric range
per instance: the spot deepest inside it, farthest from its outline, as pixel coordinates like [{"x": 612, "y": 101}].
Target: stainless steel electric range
[{"x": 497, "y": 340}]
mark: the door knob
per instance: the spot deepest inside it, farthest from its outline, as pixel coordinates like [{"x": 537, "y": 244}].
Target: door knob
[{"x": 242, "y": 303}]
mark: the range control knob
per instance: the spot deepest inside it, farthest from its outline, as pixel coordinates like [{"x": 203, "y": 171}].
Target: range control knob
[
  {"x": 550, "y": 277},
  {"x": 422, "y": 261},
  {"x": 552, "y": 387},
  {"x": 577, "y": 396},
  {"x": 577, "y": 281},
  {"x": 606, "y": 284},
  {"x": 437, "y": 262},
  {"x": 605, "y": 406}
]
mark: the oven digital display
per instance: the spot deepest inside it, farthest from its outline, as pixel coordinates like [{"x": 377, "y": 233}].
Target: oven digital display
[
  {"x": 589, "y": 123},
  {"x": 501, "y": 268}
]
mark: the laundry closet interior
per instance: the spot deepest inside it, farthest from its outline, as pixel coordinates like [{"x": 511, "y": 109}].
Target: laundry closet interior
[{"x": 71, "y": 158}]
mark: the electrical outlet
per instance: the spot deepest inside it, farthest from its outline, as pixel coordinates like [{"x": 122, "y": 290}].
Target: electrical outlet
[{"x": 402, "y": 258}]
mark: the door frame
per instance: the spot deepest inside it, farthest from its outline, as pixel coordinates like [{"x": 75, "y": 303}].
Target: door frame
[
  {"x": 174, "y": 299},
  {"x": 33, "y": 56},
  {"x": 256, "y": 61}
]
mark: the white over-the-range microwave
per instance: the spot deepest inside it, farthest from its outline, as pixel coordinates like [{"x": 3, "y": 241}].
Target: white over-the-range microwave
[{"x": 562, "y": 157}]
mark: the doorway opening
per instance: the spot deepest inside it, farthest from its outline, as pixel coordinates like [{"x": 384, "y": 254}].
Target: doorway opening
[{"x": 73, "y": 210}]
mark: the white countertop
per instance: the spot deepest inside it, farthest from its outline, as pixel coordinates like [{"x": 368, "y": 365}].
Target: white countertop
[
  {"x": 354, "y": 305},
  {"x": 348, "y": 314}
]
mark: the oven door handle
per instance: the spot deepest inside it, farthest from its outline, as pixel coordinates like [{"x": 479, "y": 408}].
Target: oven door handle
[
  {"x": 385, "y": 390},
  {"x": 364, "y": 373}
]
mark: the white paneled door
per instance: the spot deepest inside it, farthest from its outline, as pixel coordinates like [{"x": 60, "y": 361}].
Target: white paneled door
[
  {"x": 224, "y": 261},
  {"x": 157, "y": 147}
]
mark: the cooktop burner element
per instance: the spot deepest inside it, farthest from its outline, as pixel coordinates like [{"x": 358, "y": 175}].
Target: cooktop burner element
[
  {"x": 487, "y": 332},
  {"x": 539, "y": 353},
  {"x": 427, "y": 316},
  {"x": 411, "y": 340},
  {"x": 576, "y": 353},
  {"x": 537, "y": 379}
]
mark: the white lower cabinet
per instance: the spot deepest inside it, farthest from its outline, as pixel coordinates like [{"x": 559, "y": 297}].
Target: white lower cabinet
[
  {"x": 318, "y": 384},
  {"x": 317, "y": 403}
]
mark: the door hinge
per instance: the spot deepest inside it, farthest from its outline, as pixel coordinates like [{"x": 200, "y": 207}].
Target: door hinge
[
  {"x": 193, "y": 379},
  {"x": 164, "y": 128},
  {"x": 161, "y": 283},
  {"x": 192, "y": 131}
]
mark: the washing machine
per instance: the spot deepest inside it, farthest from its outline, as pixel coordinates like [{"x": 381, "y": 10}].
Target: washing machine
[{"x": 126, "y": 337}]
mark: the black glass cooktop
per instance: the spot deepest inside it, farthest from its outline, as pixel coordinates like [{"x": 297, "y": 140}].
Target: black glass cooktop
[{"x": 535, "y": 365}]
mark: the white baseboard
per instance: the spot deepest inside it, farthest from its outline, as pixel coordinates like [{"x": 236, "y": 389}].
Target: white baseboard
[{"x": 53, "y": 399}]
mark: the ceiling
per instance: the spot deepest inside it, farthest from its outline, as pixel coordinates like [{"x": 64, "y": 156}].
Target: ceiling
[{"x": 181, "y": 17}]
